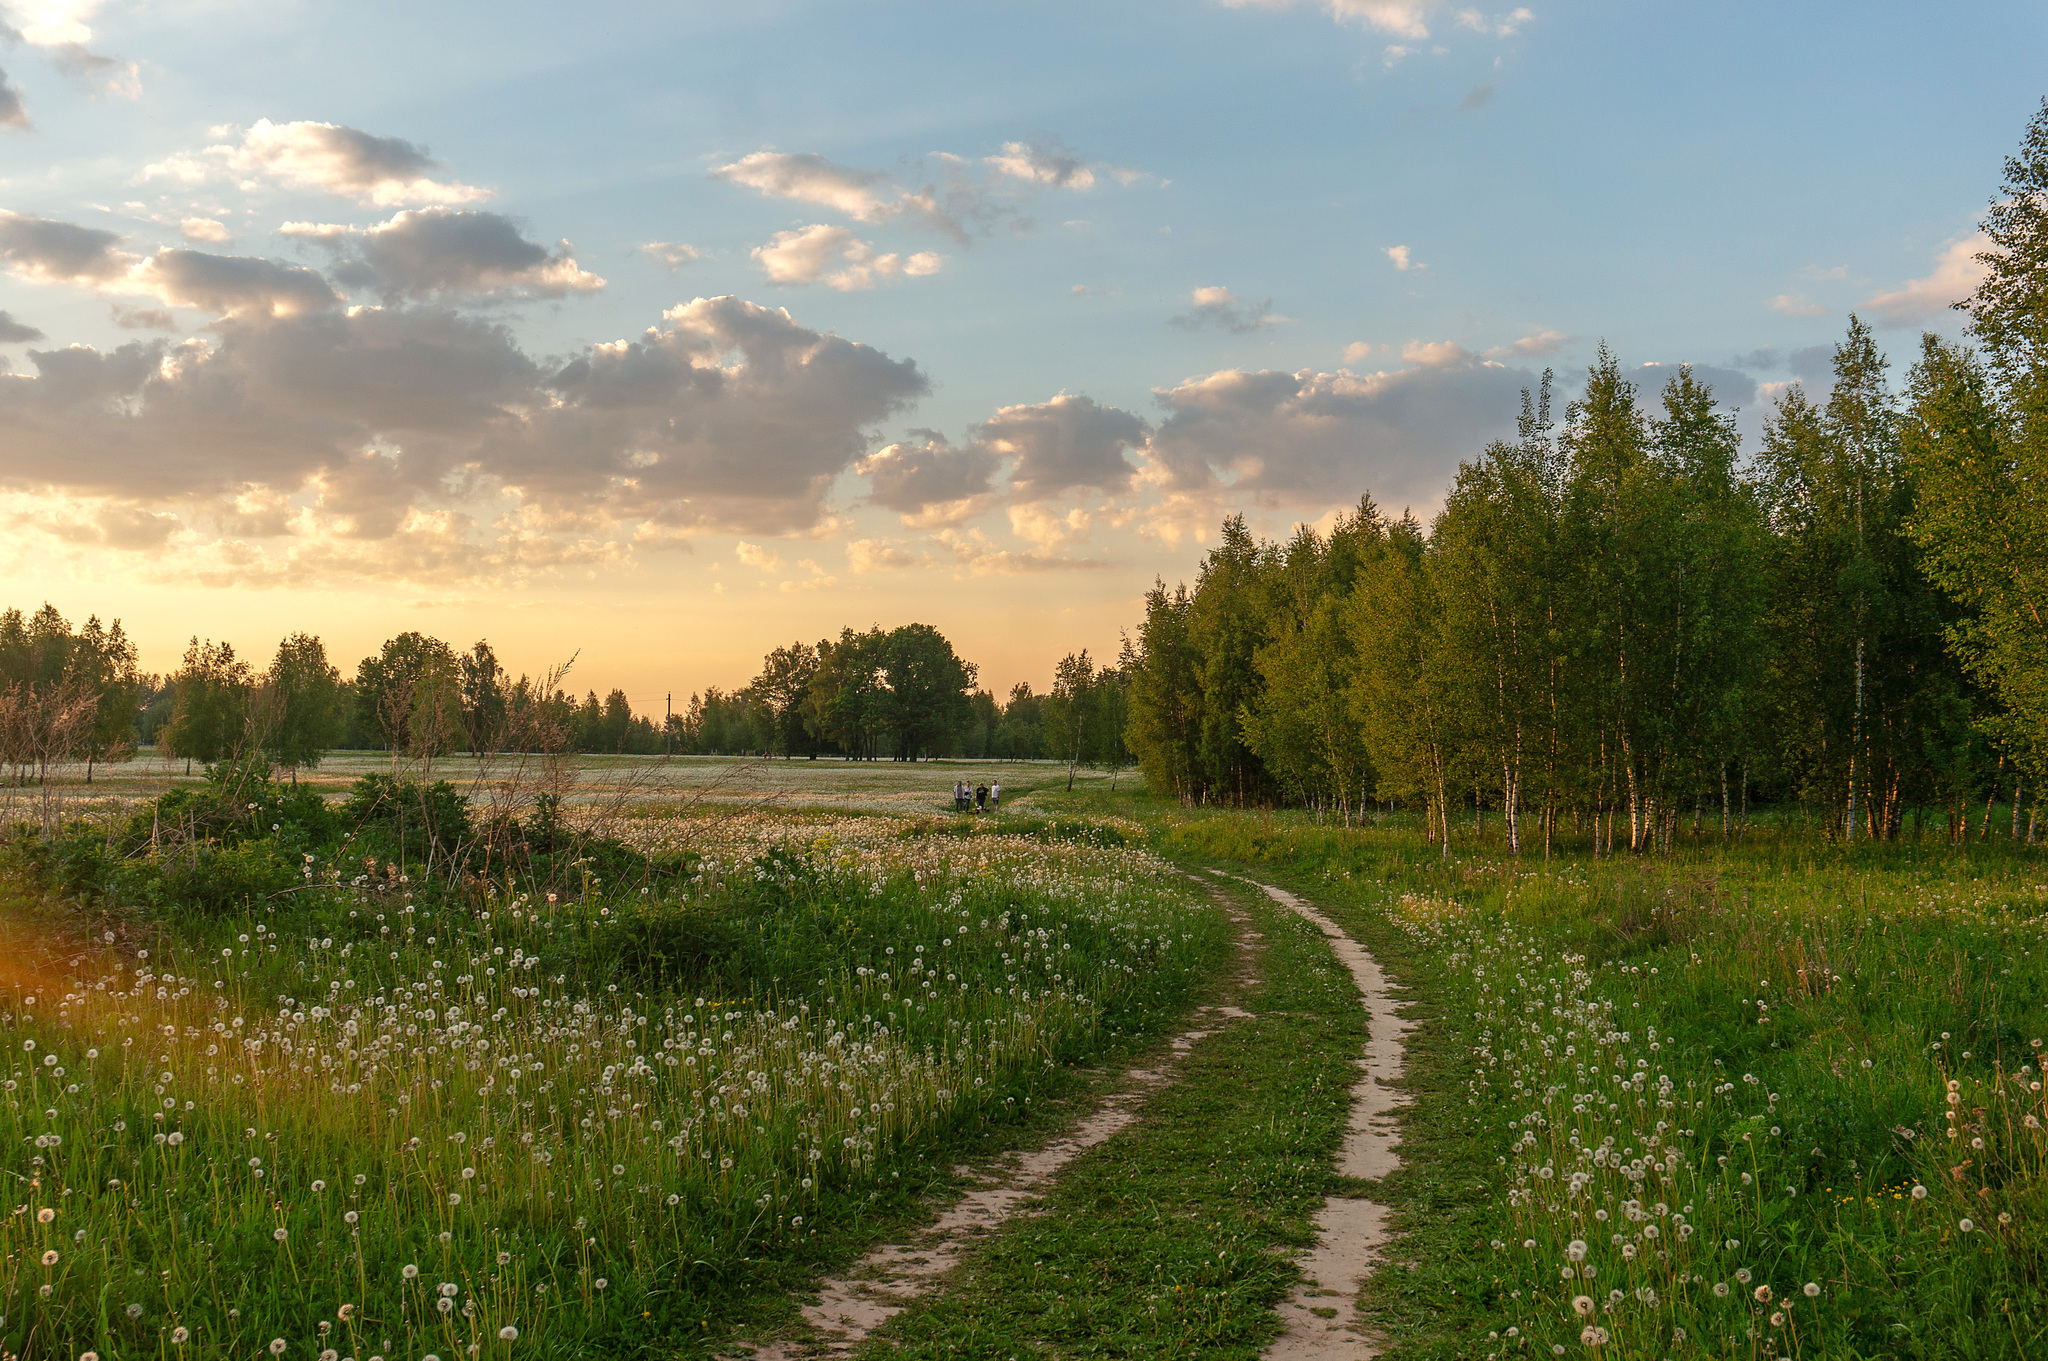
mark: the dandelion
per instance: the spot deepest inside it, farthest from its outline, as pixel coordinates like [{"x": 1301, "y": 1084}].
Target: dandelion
[
  {"x": 1763, "y": 1294},
  {"x": 408, "y": 1271},
  {"x": 504, "y": 1259},
  {"x": 45, "y": 1215},
  {"x": 600, "y": 1283},
  {"x": 1593, "y": 1335},
  {"x": 1919, "y": 1193},
  {"x": 1966, "y": 1225},
  {"x": 88, "y": 1356},
  {"x": 134, "y": 1311},
  {"x": 180, "y": 1335},
  {"x": 277, "y": 1346},
  {"x": 345, "y": 1313},
  {"x": 50, "y": 1257},
  {"x": 508, "y": 1334},
  {"x": 449, "y": 1289},
  {"x": 280, "y": 1234},
  {"x": 1812, "y": 1290},
  {"x": 1582, "y": 1305},
  {"x": 1777, "y": 1320}
]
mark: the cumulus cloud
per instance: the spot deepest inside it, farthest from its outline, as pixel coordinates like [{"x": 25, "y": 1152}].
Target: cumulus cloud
[
  {"x": 143, "y": 318},
  {"x": 756, "y": 557},
  {"x": 49, "y": 251},
  {"x": 1310, "y": 438},
  {"x": 1223, "y": 310},
  {"x": 1957, "y": 272},
  {"x": 672, "y": 255},
  {"x": 450, "y": 252},
  {"x": 1435, "y": 354},
  {"x": 877, "y": 555},
  {"x": 1399, "y": 255},
  {"x": 98, "y": 73},
  {"x": 14, "y": 332},
  {"x": 930, "y": 481},
  {"x": 233, "y": 284},
  {"x": 407, "y": 440},
  {"x": 1063, "y": 445},
  {"x": 330, "y": 158},
  {"x": 203, "y": 229},
  {"x": 837, "y": 258},
  {"x": 807, "y": 177},
  {"x": 975, "y": 553}
]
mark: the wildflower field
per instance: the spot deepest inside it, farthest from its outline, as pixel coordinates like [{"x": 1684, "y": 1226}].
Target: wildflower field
[
  {"x": 275, "y": 1087},
  {"x": 1769, "y": 1098}
]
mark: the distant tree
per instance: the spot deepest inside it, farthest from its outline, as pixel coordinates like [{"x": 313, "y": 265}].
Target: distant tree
[
  {"x": 782, "y": 687},
  {"x": 300, "y": 698},
  {"x": 928, "y": 685},
  {"x": 1070, "y": 717},
  {"x": 1167, "y": 698},
  {"x": 209, "y": 715},
  {"x": 410, "y": 696},
  {"x": 484, "y": 701},
  {"x": 103, "y": 661}
]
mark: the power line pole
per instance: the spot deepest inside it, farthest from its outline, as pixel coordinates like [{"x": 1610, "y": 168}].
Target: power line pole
[{"x": 668, "y": 717}]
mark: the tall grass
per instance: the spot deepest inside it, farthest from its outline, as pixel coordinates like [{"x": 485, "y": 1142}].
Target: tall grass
[{"x": 368, "y": 1122}]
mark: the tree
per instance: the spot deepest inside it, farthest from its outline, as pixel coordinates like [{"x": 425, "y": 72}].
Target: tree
[
  {"x": 1069, "y": 710},
  {"x": 782, "y": 687},
  {"x": 300, "y": 699},
  {"x": 209, "y": 717},
  {"x": 410, "y": 695},
  {"x": 1166, "y": 696},
  {"x": 485, "y": 704},
  {"x": 928, "y": 685},
  {"x": 103, "y": 662}
]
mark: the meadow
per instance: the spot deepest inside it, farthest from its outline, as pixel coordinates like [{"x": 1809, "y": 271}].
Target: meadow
[{"x": 293, "y": 1085}]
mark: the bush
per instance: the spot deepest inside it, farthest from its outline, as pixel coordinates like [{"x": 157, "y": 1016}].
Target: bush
[{"x": 421, "y": 818}]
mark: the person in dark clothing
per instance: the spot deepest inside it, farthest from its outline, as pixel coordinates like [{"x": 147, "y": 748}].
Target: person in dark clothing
[{"x": 981, "y": 798}]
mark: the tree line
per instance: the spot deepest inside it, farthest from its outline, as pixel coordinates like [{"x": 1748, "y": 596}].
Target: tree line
[{"x": 1618, "y": 627}]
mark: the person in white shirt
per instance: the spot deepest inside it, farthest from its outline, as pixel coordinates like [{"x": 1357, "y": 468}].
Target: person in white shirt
[{"x": 995, "y": 796}]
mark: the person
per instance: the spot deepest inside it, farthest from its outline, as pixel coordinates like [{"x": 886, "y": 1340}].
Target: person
[
  {"x": 959, "y": 796},
  {"x": 981, "y": 798},
  {"x": 995, "y": 797}
]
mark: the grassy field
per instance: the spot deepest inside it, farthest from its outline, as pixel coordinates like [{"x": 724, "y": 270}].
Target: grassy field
[{"x": 296, "y": 1076}]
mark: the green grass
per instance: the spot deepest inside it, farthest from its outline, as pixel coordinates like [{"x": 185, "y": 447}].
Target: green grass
[
  {"x": 1797, "y": 1014},
  {"x": 1172, "y": 1238}
]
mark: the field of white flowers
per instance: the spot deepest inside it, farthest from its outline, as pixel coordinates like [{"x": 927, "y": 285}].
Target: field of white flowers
[{"x": 366, "y": 1121}]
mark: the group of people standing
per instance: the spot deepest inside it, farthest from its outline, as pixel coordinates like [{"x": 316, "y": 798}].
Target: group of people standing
[{"x": 982, "y": 798}]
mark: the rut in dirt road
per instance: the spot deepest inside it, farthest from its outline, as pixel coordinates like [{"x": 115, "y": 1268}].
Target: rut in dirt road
[
  {"x": 890, "y": 1278},
  {"x": 1351, "y": 1232}
]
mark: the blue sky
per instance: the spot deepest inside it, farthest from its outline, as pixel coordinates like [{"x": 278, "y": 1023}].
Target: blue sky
[{"x": 1065, "y": 283}]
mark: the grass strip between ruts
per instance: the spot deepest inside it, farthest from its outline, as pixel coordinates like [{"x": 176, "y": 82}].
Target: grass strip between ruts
[{"x": 1173, "y": 1239}]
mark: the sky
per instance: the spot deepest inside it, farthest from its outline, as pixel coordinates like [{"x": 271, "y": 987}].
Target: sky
[{"x": 658, "y": 335}]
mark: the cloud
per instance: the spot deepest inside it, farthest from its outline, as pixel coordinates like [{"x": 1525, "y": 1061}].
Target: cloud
[
  {"x": 1050, "y": 163},
  {"x": 1435, "y": 354},
  {"x": 809, "y": 255},
  {"x": 1533, "y": 347},
  {"x": 13, "y": 332},
  {"x": 49, "y": 251},
  {"x": 1220, "y": 308},
  {"x": 203, "y": 229},
  {"x": 1319, "y": 439},
  {"x": 807, "y": 177},
  {"x": 672, "y": 255},
  {"x": 876, "y": 555},
  {"x": 327, "y": 157},
  {"x": 13, "y": 113},
  {"x": 1408, "y": 19},
  {"x": 1358, "y": 350},
  {"x": 963, "y": 199},
  {"x": 143, "y": 318},
  {"x": 1731, "y": 387},
  {"x": 755, "y": 556},
  {"x": 930, "y": 481},
  {"x": 1957, "y": 272},
  {"x": 56, "y": 23},
  {"x": 101, "y": 74},
  {"x": 413, "y": 442},
  {"x": 973, "y": 551},
  {"x": 1478, "y": 97},
  {"x": 448, "y": 252},
  {"x": 1796, "y": 305},
  {"x": 1062, "y": 445},
  {"x": 233, "y": 284},
  {"x": 1399, "y": 255}
]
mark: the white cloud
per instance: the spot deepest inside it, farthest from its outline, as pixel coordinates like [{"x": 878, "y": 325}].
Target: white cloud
[
  {"x": 1796, "y": 305},
  {"x": 1533, "y": 347},
  {"x": 327, "y": 157},
  {"x": 757, "y": 557},
  {"x": 864, "y": 195},
  {"x": 1220, "y": 308},
  {"x": 1399, "y": 255},
  {"x": 1049, "y": 163},
  {"x": 1957, "y": 272},
  {"x": 816, "y": 254},
  {"x": 1062, "y": 445},
  {"x": 55, "y": 23},
  {"x": 1435, "y": 354},
  {"x": 672, "y": 255},
  {"x": 876, "y": 555},
  {"x": 974, "y": 552},
  {"x": 203, "y": 229},
  {"x": 929, "y": 481},
  {"x": 1358, "y": 350},
  {"x": 1498, "y": 26}
]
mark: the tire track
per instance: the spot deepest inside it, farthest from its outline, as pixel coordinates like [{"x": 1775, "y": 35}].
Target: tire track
[
  {"x": 1319, "y": 1320},
  {"x": 891, "y": 1277}
]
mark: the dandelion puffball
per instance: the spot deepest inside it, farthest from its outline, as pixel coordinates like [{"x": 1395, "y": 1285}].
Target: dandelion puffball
[{"x": 508, "y": 1334}]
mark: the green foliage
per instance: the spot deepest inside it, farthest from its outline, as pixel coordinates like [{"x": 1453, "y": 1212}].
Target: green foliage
[{"x": 422, "y": 819}]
